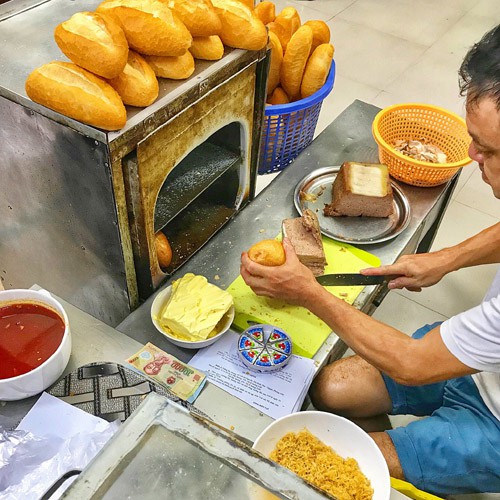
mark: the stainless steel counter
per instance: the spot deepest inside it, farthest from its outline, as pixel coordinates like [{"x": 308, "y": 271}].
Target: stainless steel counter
[{"x": 347, "y": 138}]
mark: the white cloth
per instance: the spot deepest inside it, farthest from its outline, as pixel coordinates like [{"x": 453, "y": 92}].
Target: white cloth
[{"x": 474, "y": 338}]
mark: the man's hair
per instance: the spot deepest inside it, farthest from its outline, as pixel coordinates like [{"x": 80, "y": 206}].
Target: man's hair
[{"x": 480, "y": 70}]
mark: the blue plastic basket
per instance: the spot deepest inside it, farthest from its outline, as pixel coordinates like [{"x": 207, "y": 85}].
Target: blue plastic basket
[{"x": 289, "y": 128}]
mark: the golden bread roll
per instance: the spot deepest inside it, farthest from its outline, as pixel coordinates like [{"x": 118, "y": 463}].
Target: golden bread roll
[
  {"x": 175, "y": 68},
  {"x": 163, "y": 250},
  {"x": 321, "y": 33},
  {"x": 294, "y": 61},
  {"x": 150, "y": 26},
  {"x": 136, "y": 84},
  {"x": 317, "y": 69},
  {"x": 208, "y": 48},
  {"x": 289, "y": 20},
  {"x": 93, "y": 41},
  {"x": 77, "y": 93},
  {"x": 265, "y": 11},
  {"x": 249, "y": 3},
  {"x": 280, "y": 32},
  {"x": 278, "y": 97},
  {"x": 199, "y": 16},
  {"x": 241, "y": 29},
  {"x": 273, "y": 79},
  {"x": 268, "y": 253}
]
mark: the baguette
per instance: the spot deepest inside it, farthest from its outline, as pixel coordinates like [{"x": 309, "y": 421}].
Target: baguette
[
  {"x": 163, "y": 250},
  {"x": 294, "y": 61},
  {"x": 136, "y": 84},
  {"x": 208, "y": 48},
  {"x": 241, "y": 29},
  {"x": 199, "y": 16},
  {"x": 265, "y": 11},
  {"x": 321, "y": 33},
  {"x": 93, "y": 41},
  {"x": 150, "y": 26},
  {"x": 280, "y": 32},
  {"x": 77, "y": 93},
  {"x": 278, "y": 97},
  {"x": 317, "y": 69},
  {"x": 273, "y": 79},
  {"x": 175, "y": 68},
  {"x": 289, "y": 20}
]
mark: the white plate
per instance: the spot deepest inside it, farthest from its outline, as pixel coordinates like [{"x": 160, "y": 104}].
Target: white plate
[
  {"x": 355, "y": 230},
  {"x": 346, "y": 439},
  {"x": 156, "y": 307}
]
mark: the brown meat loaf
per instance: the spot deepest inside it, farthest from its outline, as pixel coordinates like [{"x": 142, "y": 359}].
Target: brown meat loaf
[
  {"x": 361, "y": 189},
  {"x": 305, "y": 236}
]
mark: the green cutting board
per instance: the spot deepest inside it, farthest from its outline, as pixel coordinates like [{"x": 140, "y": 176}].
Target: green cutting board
[{"x": 306, "y": 330}]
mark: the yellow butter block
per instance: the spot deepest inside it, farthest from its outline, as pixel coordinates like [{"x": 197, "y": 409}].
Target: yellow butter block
[{"x": 195, "y": 307}]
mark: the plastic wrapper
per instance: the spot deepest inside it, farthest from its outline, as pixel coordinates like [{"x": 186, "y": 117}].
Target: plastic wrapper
[{"x": 30, "y": 465}]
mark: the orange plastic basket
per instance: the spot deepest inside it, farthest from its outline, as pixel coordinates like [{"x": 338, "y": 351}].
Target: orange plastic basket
[{"x": 412, "y": 121}]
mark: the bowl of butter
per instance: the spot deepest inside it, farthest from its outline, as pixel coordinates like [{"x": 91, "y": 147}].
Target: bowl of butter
[{"x": 192, "y": 312}]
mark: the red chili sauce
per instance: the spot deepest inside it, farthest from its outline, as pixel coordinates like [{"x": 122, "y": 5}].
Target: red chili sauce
[{"x": 29, "y": 334}]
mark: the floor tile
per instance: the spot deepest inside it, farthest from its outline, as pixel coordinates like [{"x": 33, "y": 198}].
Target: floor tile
[
  {"x": 305, "y": 10},
  {"x": 369, "y": 56},
  {"x": 345, "y": 92},
  {"x": 407, "y": 19},
  {"x": 475, "y": 193}
]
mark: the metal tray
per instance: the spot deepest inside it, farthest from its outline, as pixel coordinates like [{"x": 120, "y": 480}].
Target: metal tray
[{"x": 314, "y": 191}]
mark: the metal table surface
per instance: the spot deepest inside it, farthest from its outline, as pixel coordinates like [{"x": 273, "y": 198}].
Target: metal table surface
[{"x": 348, "y": 137}]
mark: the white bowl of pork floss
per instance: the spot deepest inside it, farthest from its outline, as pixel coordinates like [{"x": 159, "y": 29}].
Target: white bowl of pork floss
[
  {"x": 330, "y": 452},
  {"x": 192, "y": 312}
]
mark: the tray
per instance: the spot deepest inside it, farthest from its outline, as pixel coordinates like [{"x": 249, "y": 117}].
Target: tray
[{"x": 314, "y": 191}]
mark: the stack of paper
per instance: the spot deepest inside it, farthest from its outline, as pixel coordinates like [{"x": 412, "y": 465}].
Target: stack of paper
[{"x": 276, "y": 394}]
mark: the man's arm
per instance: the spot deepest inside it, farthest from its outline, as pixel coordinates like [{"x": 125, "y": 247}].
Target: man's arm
[
  {"x": 408, "y": 361},
  {"x": 422, "y": 270}
]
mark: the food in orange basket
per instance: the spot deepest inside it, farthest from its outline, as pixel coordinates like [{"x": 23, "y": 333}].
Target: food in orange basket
[
  {"x": 267, "y": 253},
  {"x": 77, "y": 93},
  {"x": 273, "y": 79},
  {"x": 136, "y": 84},
  {"x": 175, "y": 67},
  {"x": 317, "y": 463},
  {"x": 321, "y": 33},
  {"x": 150, "y": 26},
  {"x": 421, "y": 150},
  {"x": 241, "y": 28},
  {"x": 265, "y": 11},
  {"x": 93, "y": 41},
  {"x": 163, "y": 250},
  {"x": 361, "y": 189},
  {"x": 208, "y": 48},
  {"x": 317, "y": 69},
  {"x": 294, "y": 61},
  {"x": 305, "y": 236},
  {"x": 278, "y": 97}
]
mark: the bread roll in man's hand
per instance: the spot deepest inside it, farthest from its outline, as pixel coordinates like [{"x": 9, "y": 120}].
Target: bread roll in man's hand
[{"x": 268, "y": 253}]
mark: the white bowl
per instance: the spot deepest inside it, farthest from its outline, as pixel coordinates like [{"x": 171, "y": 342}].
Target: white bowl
[
  {"x": 37, "y": 380},
  {"x": 346, "y": 439},
  {"x": 159, "y": 302}
]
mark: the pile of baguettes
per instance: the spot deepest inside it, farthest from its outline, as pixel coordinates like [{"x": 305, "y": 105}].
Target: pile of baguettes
[
  {"x": 118, "y": 51},
  {"x": 301, "y": 55}
]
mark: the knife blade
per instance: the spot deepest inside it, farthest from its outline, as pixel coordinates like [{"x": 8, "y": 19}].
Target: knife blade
[{"x": 350, "y": 279}]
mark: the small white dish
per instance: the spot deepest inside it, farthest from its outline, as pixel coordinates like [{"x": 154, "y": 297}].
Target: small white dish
[{"x": 159, "y": 303}]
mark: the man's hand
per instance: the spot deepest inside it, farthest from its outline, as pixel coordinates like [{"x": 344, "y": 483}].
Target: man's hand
[
  {"x": 413, "y": 272},
  {"x": 292, "y": 282}
]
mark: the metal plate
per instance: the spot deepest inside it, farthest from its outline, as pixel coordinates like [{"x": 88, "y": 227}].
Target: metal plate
[{"x": 314, "y": 191}]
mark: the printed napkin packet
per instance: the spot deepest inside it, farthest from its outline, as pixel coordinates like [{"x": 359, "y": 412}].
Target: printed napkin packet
[{"x": 181, "y": 379}]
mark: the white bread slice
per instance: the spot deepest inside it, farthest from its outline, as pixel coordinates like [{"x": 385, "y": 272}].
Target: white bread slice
[{"x": 361, "y": 189}]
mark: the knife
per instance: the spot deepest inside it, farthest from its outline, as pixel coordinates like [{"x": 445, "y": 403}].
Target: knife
[{"x": 350, "y": 279}]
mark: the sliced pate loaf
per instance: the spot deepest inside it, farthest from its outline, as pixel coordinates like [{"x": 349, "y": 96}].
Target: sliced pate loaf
[
  {"x": 361, "y": 189},
  {"x": 305, "y": 237}
]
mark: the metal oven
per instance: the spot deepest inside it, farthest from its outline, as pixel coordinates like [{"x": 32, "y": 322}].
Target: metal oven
[{"x": 79, "y": 207}]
